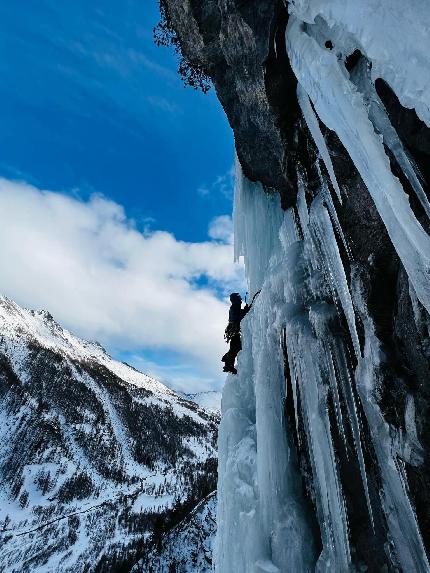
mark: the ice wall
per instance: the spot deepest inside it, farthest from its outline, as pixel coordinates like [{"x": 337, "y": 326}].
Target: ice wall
[
  {"x": 264, "y": 516},
  {"x": 340, "y": 106},
  {"x": 303, "y": 440},
  {"x": 262, "y": 524},
  {"x": 320, "y": 36}
]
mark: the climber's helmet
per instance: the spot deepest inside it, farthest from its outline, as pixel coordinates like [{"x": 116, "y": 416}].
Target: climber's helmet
[{"x": 235, "y": 298}]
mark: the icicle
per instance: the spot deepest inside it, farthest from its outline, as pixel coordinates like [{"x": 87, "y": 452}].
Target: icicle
[
  {"x": 288, "y": 233},
  {"x": 400, "y": 515},
  {"x": 335, "y": 391},
  {"x": 257, "y": 220},
  {"x": 313, "y": 125},
  {"x": 393, "y": 35},
  {"x": 239, "y": 543},
  {"x": 302, "y": 207},
  {"x": 333, "y": 214},
  {"x": 346, "y": 382},
  {"x": 261, "y": 517},
  {"x": 335, "y": 364},
  {"x": 326, "y": 241},
  {"x": 304, "y": 360},
  {"x": 342, "y": 109},
  {"x": 282, "y": 520},
  {"x": 378, "y": 116}
]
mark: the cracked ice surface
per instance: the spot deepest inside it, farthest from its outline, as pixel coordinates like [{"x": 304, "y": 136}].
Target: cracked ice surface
[{"x": 341, "y": 107}]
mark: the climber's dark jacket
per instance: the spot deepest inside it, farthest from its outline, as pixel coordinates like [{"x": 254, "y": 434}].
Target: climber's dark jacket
[
  {"x": 232, "y": 332},
  {"x": 236, "y": 312}
]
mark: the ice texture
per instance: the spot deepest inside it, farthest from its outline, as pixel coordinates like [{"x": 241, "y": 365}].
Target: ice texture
[
  {"x": 378, "y": 116},
  {"x": 393, "y": 35},
  {"x": 325, "y": 242},
  {"x": 300, "y": 340},
  {"x": 249, "y": 220},
  {"x": 341, "y": 107},
  {"x": 262, "y": 524},
  {"x": 313, "y": 125},
  {"x": 400, "y": 514},
  {"x": 263, "y": 516}
]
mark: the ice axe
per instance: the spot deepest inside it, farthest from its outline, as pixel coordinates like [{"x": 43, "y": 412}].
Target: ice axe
[{"x": 253, "y": 298}]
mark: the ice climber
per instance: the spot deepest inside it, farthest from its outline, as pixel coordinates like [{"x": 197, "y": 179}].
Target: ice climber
[{"x": 232, "y": 332}]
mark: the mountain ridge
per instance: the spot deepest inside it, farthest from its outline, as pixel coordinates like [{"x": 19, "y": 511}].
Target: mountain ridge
[{"x": 94, "y": 455}]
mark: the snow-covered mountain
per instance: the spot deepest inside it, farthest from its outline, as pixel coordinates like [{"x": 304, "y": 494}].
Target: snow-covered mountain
[
  {"x": 188, "y": 547},
  {"x": 97, "y": 461},
  {"x": 210, "y": 401}
]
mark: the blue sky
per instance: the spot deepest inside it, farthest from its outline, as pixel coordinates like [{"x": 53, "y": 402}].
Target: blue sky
[
  {"x": 89, "y": 105},
  {"x": 88, "y": 102}
]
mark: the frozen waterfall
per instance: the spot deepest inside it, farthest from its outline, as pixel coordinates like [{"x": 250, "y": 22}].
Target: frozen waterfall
[
  {"x": 293, "y": 342},
  {"x": 301, "y": 421}
]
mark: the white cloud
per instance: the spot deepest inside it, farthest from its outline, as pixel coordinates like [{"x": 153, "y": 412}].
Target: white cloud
[
  {"x": 221, "y": 229},
  {"x": 98, "y": 275}
]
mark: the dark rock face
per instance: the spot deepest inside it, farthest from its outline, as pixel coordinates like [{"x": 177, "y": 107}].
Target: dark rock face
[
  {"x": 97, "y": 461},
  {"x": 241, "y": 46}
]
